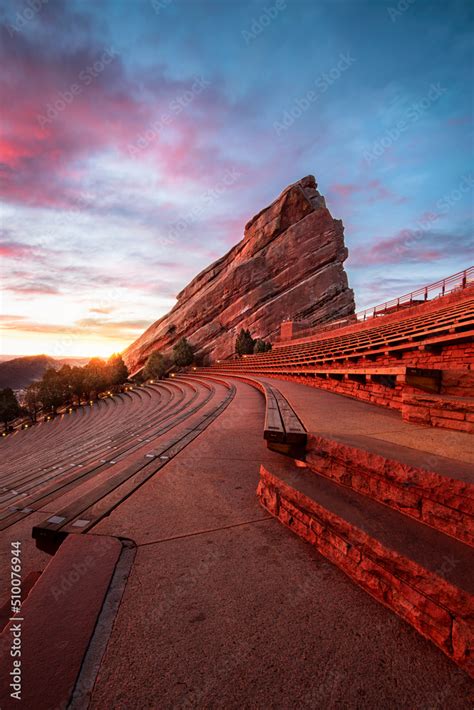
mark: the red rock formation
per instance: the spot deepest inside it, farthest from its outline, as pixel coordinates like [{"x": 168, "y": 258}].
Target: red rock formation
[{"x": 288, "y": 265}]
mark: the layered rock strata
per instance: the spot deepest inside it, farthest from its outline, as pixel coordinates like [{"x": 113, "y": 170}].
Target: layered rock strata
[{"x": 289, "y": 265}]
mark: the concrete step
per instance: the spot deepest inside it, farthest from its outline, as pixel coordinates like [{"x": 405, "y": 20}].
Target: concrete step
[
  {"x": 437, "y": 492},
  {"x": 56, "y": 623},
  {"x": 424, "y": 576},
  {"x": 447, "y": 411}
]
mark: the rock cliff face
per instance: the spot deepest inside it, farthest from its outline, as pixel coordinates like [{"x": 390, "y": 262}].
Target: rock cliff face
[{"x": 288, "y": 265}]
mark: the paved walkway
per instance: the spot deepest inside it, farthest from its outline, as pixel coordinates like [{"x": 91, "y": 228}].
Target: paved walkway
[
  {"x": 225, "y": 608},
  {"x": 380, "y": 430}
]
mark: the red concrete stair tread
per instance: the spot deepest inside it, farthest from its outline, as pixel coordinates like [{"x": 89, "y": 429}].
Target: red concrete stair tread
[
  {"x": 328, "y": 414},
  {"x": 425, "y": 546},
  {"x": 59, "y": 620},
  {"x": 442, "y": 465},
  {"x": 425, "y": 577}
]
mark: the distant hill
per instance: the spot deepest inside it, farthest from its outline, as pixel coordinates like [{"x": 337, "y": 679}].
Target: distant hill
[
  {"x": 21, "y": 371},
  {"x": 72, "y": 361}
]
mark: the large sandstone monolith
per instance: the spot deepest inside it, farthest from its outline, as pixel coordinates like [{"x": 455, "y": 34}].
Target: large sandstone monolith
[{"x": 288, "y": 265}]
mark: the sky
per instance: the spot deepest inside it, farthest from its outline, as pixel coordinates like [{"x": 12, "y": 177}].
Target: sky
[{"x": 139, "y": 136}]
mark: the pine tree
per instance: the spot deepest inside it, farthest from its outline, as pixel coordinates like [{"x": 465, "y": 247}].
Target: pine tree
[
  {"x": 32, "y": 400},
  {"x": 117, "y": 370},
  {"x": 244, "y": 343},
  {"x": 156, "y": 366},
  {"x": 183, "y": 353},
  {"x": 9, "y": 407}
]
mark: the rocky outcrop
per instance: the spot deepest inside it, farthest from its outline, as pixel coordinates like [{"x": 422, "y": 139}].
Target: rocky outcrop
[{"x": 288, "y": 265}]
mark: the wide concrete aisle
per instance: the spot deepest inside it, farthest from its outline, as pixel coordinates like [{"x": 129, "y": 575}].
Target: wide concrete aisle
[
  {"x": 379, "y": 429},
  {"x": 225, "y": 608}
]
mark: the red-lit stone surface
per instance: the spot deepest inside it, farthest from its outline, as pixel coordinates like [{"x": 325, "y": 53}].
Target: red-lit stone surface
[
  {"x": 59, "y": 614},
  {"x": 222, "y": 606},
  {"x": 225, "y": 609},
  {"x": 442, "y": 502},
  {"x": 370, "y": 360},
  {"x": 289, "y": 264},
  {"x": 434, "y": 489},
  {"x": 459, "y": 352},
  {"x": 441, "y": 611},
  {"x": 446, "y": 411}
]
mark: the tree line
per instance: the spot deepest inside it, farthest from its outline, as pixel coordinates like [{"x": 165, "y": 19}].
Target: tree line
[
  {"x": 246, "y": 345},
  {"x": 69, "y": 386},
  {"x": 65, "y": 386},
  {"x": 158, "y": 365}
]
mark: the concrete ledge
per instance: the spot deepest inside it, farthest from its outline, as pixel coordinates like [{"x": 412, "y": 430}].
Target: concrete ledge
[
  {"x": 446, "y": 411},
  {"x": 446, "y": 504},
  {"x": 438, "y": 610},
  {"x": 370, "y": 392},
  {"x": 58, "y": 620}
]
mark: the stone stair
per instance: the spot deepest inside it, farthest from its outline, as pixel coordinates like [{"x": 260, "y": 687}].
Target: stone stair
[{"x": 420, "y": 573}]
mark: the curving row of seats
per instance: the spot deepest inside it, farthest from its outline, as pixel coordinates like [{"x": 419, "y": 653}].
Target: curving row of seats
[
  {"x": 91, "y": 438},
  {"x": 446, "y": 324},
  {"x": 80, "y": 459},
  {"x": 67, "y": 433}
]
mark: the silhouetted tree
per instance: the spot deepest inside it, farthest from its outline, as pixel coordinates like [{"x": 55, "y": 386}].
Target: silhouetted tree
[
  {"x": 156, "y": 366},
  {"x": 183, "y": 353},
  {"x": 95, "y": 377},
  {"x": 52, "y": 390},
  {"x": 9, "y": 407},
  {"x": 65, "y": 375},
  {"x": 244, "y": 343},
  {"x": 117, "y": 370},
  {"x": 77, "y": 377},
  {"x": 33, "y": 400},
  {"x": 261, "y": 346},
  {"x": 138, "y": 377}
]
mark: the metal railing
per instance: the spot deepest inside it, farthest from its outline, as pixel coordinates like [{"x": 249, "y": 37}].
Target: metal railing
[
  {"x": 455, "y": 282},
  {"x": 426, "y": 293}
]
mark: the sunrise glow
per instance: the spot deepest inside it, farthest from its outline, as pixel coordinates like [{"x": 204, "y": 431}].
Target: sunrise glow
[{"x": 131, "y": 160}]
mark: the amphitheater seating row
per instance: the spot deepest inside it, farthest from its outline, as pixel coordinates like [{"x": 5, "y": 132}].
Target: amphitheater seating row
[
  {"x": 444, "y": 325},
  {"x": 111, "y": 450},
  {"x": 86, "y": 510}
]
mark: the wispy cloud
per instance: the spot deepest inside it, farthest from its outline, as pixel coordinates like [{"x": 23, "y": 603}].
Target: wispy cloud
[
  {"x": 414, "y": 246},
  {"x": 86, "y": 221}
]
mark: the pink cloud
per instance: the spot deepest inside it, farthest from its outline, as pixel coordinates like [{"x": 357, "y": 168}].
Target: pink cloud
[
  {"x": 417, "y": 245},
  {"x": 344, "y": 190},
  {"x": 34, "y": 289},
  {"x": 372, "y": 191},
  {"x": 15, "y": 250},
  {"x": 57, "y": 119}
]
